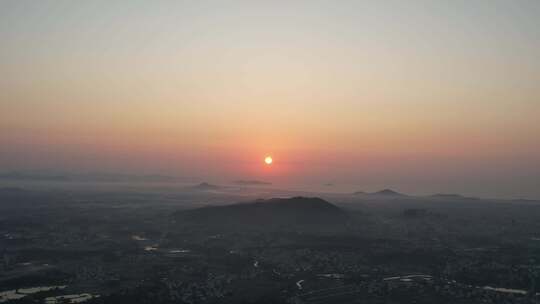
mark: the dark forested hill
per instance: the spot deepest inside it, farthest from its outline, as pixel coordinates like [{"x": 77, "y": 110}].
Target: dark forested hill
[{"x": 289, "y": 214}]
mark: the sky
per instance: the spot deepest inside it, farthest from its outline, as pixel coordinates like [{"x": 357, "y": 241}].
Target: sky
[{"x": 419, "y": 96}]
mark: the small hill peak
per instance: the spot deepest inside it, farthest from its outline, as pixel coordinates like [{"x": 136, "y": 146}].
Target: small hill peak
[{"x": 388, "y": 192}]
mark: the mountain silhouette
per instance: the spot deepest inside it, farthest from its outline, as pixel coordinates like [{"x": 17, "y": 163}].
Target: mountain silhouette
[
  {"x": 388, "y": 192},
  {"x": 384, "y": 192},
  {"x": 277, "y": 214},
  {"x": 451, "y": 196},
  {"x": 448, "y": 195}
]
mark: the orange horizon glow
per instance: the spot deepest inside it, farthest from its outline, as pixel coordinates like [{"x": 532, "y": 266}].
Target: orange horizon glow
[{"x": 360, "y": 93}]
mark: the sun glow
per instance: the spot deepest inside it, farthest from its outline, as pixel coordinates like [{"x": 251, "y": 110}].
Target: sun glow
[{"x": 268, "y": 160}]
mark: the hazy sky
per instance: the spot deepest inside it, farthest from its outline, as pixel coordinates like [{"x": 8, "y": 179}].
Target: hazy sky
[{"x": 421, "y": 96}]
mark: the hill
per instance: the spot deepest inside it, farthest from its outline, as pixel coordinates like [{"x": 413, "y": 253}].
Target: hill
[
  {"x": 388, "y": 192},
  {"x": 384, "y": 192},
  {"x": 277, "y": 214}
]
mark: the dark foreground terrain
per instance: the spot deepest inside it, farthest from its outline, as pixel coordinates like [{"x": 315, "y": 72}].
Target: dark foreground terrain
[{"x": 195, "y": 245}]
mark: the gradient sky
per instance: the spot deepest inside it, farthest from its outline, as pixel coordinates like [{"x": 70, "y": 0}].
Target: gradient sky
[{"x": 421, "y": 96}]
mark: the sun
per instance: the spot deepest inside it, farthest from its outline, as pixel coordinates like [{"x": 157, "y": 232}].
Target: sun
[{"x": 268, "y": 160}]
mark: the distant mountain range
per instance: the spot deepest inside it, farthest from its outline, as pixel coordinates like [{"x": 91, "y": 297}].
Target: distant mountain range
[
  {"x": 24, "y": 176},
  {"x": 83, "y": 177},
  {"x": 204, "y": 186},
  {"x": 384, "y": 192},
  {"x": 388, "y": 192},
  {"x": 452, "y": 196},
  {"x": 277, "y": 214}
]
